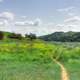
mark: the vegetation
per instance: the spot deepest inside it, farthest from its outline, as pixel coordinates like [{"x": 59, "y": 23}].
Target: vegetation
[
  {"x": 15, "y": 36},
  {"x": 62, "y": 37},
  {"x": 31, "y": 36},
  {"x": 1, "y": 35},
  {"x": 30, "y": 59},
  {"x": 19, "y": 61}
]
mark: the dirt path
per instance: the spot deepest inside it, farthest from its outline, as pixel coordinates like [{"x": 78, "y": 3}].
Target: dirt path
[{"x": 64, "y": 73}]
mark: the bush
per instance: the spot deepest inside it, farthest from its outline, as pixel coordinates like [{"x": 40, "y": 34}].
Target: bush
[
  {"x": 15, "y": 36},
  {"x": 1, "y": 35},
  {"x": 31, "y": 36}
]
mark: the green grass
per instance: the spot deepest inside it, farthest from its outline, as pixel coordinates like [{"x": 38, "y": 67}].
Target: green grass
[
  {"x": 26, "y": 60},
  {"x": 28, "y": 71},
  {"x": 73, "y": 70}
]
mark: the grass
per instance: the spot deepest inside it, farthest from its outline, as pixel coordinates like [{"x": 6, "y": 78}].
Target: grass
[
  {"x": 25, "y": 60},
  {"x": 73, "y": 70},
  {"x": 28, "y": 71}
]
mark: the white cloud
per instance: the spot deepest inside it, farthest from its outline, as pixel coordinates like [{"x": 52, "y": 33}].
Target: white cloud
[
  {"x": 19, "y": 23},
  {"x": 7, "y": 20},
  {"x": 7, "y": 15},
  {"x": 70, "y": 24},
  {"x": 36, "y": 22},
  {"x": 5, "y": 26},
  {"x": 73, "y": 19},
  {"x": 1, "y": 23},
  {"x": 10, "y": 22},
  {"x": 66, "y": 9}
]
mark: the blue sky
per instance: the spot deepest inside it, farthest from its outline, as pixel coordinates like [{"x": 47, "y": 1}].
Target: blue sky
[
  {"x": 37, "y": 8},
  {"x": 39, "y": 16}
]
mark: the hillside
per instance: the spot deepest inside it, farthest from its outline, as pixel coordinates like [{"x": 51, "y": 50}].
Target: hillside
[{"x": 62, "y": 37}]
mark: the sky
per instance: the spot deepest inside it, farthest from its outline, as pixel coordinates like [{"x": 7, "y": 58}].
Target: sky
[{"x": 40, "y": 17}]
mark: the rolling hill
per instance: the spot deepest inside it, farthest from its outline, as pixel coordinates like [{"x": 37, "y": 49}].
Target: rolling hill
[{"x": 62, "y": 37}]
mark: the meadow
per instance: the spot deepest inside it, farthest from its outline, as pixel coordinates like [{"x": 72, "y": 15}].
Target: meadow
[{"x": 31, "y": 60}]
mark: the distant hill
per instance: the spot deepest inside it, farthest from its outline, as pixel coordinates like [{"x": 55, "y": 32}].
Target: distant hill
[{"x": 62, "y": 37}]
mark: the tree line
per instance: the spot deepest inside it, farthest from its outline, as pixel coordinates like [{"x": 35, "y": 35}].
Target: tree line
[
  {"x": 17, "y": 36},
  {"x": 56, "y": 36}
]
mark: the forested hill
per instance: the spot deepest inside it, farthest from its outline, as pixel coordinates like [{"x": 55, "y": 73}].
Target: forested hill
[
  {"x": 56, "y": 36},
  {"x": 62, "y": 37}
]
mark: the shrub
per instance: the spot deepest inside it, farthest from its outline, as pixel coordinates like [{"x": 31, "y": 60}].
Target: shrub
[
  {"x": 15, "y": 36},
  {"x": 31, "y": 36},
  {"x": 1, "y": 35}
]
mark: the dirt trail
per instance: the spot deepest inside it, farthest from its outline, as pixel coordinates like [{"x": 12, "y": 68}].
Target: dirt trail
[{"x": 64, "y": 73}]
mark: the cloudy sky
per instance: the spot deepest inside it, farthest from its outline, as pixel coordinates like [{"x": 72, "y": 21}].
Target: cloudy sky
[{"x": 40, "y": 17}]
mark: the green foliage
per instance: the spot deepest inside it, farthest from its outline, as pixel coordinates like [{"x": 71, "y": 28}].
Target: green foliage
[
  {"x": 30, "y": 36},
  {"x": 15, "y": 36}
]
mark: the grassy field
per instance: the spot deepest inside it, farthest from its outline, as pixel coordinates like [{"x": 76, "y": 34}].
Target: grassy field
[
  {"x": 73, "y": 70},
  {"x": 25, "y": 60},
  {"x": 28, "y": 71}
]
